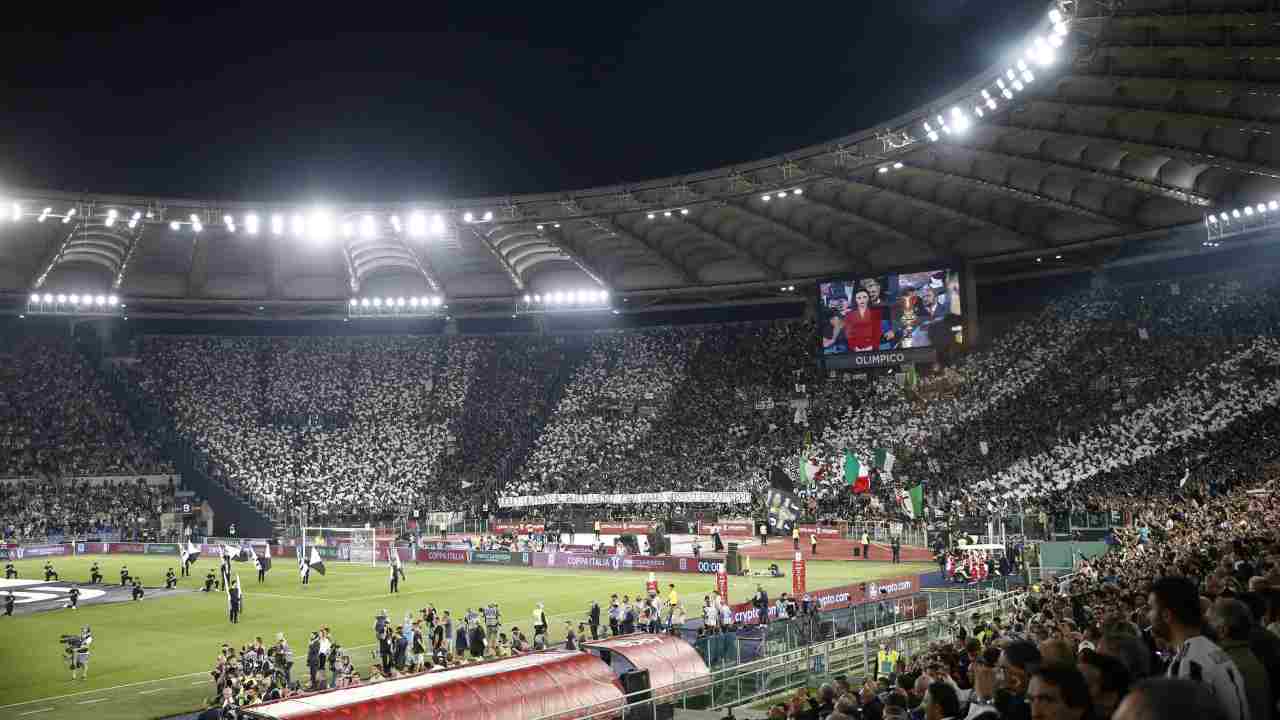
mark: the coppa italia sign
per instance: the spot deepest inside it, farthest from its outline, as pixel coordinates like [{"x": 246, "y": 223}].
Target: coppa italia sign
[
  {"x": 579, "y": 561},
  {"x": 518, "y": 528},
  {"x": 622, "y": 528},
  {"x": 447, "y": 556},
  {"x": 728, "y": 527}
]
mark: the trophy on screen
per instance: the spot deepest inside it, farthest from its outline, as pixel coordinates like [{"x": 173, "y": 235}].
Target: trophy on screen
[{"x": 908, "y": 315}]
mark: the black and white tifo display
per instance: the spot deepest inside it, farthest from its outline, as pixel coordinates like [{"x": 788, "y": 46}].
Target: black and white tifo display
[{"x": 888, "y": 319}]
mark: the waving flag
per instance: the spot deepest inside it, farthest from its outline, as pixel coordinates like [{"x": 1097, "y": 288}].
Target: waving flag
[
  {"x": 856, "y": 474},
  {"x": 315, "y": 561},
  {"x": 189, "y": 552}
]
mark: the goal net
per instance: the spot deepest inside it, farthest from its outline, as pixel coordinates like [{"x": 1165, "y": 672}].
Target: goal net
[{"x": 355, "y": 545}]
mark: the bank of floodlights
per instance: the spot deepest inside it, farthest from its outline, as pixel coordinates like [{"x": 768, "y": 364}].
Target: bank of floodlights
[
  {"x": 1222, "y": 224},
  {"x": 564, "y": 301},
  {"x": 73, "y": 303},
  {"x": 399, "y": 306}
]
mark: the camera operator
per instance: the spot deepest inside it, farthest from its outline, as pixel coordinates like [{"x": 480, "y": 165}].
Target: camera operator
[
  {"x": 76, "y": 648},
  {"x": 95, "y": 574},
  {"x": 10, "y": 572},
  {"x": 282, "y": 657},
  {"x": 125, "y": 577},
  {"x": 8, "y": 604},
  {"x": 73, "y": 597},
  {"x": 49, "y": 572},
  {"x": 136, "y": 593}
]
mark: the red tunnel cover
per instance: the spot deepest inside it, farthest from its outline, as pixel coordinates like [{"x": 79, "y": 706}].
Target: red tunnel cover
[
  {"x": 672, "y": 663},
  {"x": 541, "y": 685}
]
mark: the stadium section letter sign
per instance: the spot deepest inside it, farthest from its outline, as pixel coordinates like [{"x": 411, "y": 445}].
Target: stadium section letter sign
[{"x": 889, "y": 319}]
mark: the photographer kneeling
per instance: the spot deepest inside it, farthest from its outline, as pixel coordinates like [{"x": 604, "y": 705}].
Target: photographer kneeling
[{"x": 76, "y": 650}]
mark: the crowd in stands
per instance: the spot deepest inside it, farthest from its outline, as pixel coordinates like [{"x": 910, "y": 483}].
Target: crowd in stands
[
  {"x": 58, "y": 419},
  {"x": 127, "y": 508}
]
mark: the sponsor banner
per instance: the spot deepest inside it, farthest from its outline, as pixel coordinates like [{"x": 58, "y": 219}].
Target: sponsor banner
[
  {"x": 728, "y": 527},
  {"x": 8, "y": 553},
  {"x": 126, "y": 548},
  {"x": 516, "y": 528},
  {"x": 844, "y": 596},
  {"x": 694, "y": 565},
  {"x": 93, "y": 547},
  {"x": 445, "y": 556},
  {"x": 30, "y": 551},
  {"x": 823, "y": 531},
  {"x": 724, "y": 498},
  {"x": 626, "y": 528},
  {"x": 499, "y": 557},
  {"x": 582, "y": 561},
  {"x": 886, "y": 588},
  {"x": 443, "y": 546},
  {"x": 162, "y": 549}
]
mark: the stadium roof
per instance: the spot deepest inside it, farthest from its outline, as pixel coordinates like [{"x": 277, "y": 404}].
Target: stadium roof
[{"x": 1152, "y": 113}]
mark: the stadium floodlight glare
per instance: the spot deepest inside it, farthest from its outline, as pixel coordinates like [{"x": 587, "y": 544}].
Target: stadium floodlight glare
[
  {"x": 1213, "y": 219},
  {"x": 44, "y": 214},
  {"x": 650, "y": 216},
  {"x": 298, "y": 225},
  {"x": 766, "y": 197},
  {"x": 399, "y": 302},
  {"x": 320, "y": 225},
  {"x": 70, "y": 214},
  {"x": 48, "y": 298},
  {"x": 437, "y": 224},
  {"x": 251, "y": 223},
  {"x": 527, "y": 299},
  {"x": 368, "y": 227},
  {"x": 413, "y": 302},
  {"x": 35, "y": 297},
  {"x": 75, "y": 299},
  {"x": 1248, "y": 211},
  {"x": 61, "y": 298},
  {"x": 468, "y": 217},
  {"x": 277, "y": 224},
  {"x": 977, "y": 110},
  {"x": 417, "y": 224},
  {"x": 1055, "y": 40},
  {"x": 1017, "y": 85},
  {"x": 1027, "y": 77},
  {"x": 377, "y": 302},
  {"x": 959, "y": 120},
  {"x": 395, "y": 223},
  {"x": 354, "y": 302},
  {"x": 174, "y": 225},
  {"x": 100, "y": 300},
  {"x": 1273, "y": 205},
  {"x": 882, "y": 169},
  {"x": 897, "y": 166},
  {"x": 488, "y": 215},
  {"x": 364, "y": 302},
  {"x": 133, "y": 221},
  {"x": 537, "y": 298},
  {"x": 348, "y": 229},
  {"x": 111, "y": 217},
  {"x": 1235, "y": 214},
  {"x": 991, "y": 104},
  {"x": 666, "y": 214},
  {"x": 1224, "y": 217},
  {"x": 559, "y": 297},
  {"x": 197, "y": 226},
  {"x": 685, "y": 211},
  {"x": 1262, "y": 207},
  {"x": 604, "y": 296},
  {"x": 1055, "y": 15}
]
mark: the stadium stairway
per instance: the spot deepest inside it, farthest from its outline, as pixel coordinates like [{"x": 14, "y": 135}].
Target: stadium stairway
[{"x": 189, "y": 460}]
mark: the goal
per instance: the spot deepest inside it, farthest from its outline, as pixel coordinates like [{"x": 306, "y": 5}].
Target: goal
[{"x": 359, "y": 542}]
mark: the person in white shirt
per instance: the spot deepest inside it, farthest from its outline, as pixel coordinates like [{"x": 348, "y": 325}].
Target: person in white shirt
[
  {"x": 710, "y": 617},
  {"x": 1176, "y": 619}
]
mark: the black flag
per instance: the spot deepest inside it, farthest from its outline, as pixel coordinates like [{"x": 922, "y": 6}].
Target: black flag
[{"x": 780, "y": 480}]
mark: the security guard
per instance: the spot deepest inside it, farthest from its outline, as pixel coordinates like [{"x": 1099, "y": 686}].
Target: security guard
[
  {"x": 886, "y": 660},
  {"x": 866, "y": 546},
  {"x": 795, "y": 537}
]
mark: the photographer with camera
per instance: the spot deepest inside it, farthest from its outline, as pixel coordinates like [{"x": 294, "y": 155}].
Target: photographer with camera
[
  {"x": 10, "y": 572},
  {"x": 95, "y": 575},
  {"x": 76, "y": 650},
  {"x": 8, "y": 604},
  {"x": 125, "y": 577},
  {"x": 50, "y": 573},
  {"x": 136, "y": 593},
  {"x": 170, "y": 580}
]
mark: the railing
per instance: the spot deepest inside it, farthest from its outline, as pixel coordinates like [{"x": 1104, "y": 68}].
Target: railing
[
  {"x": 881, "y": 531},
  {"x": 735, "y": 685}
]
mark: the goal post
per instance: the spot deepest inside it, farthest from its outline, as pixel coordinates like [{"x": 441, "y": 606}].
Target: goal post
[{"x": 360, "y": 543}]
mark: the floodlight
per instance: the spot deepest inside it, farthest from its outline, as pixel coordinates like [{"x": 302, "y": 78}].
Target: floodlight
[
  {"x": 882, "y": 169},
  {"x": 435, "y": 301},
  {"x": 1022, "y": 64},
  {"x": 1262, "y": 207},
  {"x": 100, "y": 300},
  {"x": 1235, "y": 214},
  {"x": 368, "y": 227},
  {"x": 558, "y": 297},
  {"x": 417, "y": 224},
  {"x": 977, "y": 110},
  {"x": 1224, "y": 217},
  {"x": 174, "y": 225},
  {"x": 70, "y": 214},
  {"x": 17, "y": 212},
  {"x": 1248, "y": 211},
  {"x": 197, "y": 227},
  {"x": 228, "y": 220},
  {"x": 399, "y": 302},
  {"x": 62, "y": 298},
  {"x": 44, "y": 214},
  {"x": 1017, "y": 85},
  {"x": 765, "y": 198},
  {"x": 298, "y": 224},
  {"x": 1055, "y": 15},
  {"x": 933, "y": 136},
  {"x": 604, "y": 296},
  {"x": 354, "y": 302},
  {"x": 251, "y": 223},
  {"x": 395, "y": 223},
  {"x": 320, "y": 224},
  {"x": 348, "y": 229},
  {"x": 1055, "y": 40},
  {"x": 539, "y": 228},
  {"x": 1213, "y": 219},
  {"x": 277, "y": 224},
  {"x": 364, "y": 302},
  {"x": 537, "y": 298},
  {"x": 468, "y": 217},
  {"x": 1027, "y": 77},
  {"x": 991, "y": 104},
  {"x": 685, "y": 211},
  {"x": 1273, "y": 205},
  {"x": 413, "y": 302},
  {"x": 133, "y": 221},
  {"x": 377, "y": 302},
  {"x": 1009, "y": 74},
  {"x": 650, "y": 216},
  {"x": 35, "y": 297},
  {"x": 1060, "y": 29},
  {"x": 75, "y": 299},
  {"x": 897, "y": 166},
  {"x": 437, "y": 224},
  {"x": 488, "y": 215},
  {"x": 111, "y": 217},
  {"x": 48, "y": 298},
  {"x": 666, "y": 214}
]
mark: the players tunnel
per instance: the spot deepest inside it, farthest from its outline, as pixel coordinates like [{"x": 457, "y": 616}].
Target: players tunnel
[{"x": 551, "y": 684}]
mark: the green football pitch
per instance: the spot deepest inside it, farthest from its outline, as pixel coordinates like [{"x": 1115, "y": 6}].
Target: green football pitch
[{"x": 151, "y": 658}]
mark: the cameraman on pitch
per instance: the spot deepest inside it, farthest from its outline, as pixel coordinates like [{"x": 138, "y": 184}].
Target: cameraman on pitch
[{"x": 79, "y": 651}]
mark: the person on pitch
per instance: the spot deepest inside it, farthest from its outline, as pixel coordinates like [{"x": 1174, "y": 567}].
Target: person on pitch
[
  {"x": 49, "y": 572},
  {"x": 73, "y": 597},
  {"x": 95, "y": 574},
  {"x": 10, "y": 572},
  {"x": 262, "y": 568},
  {"x": 395, "y": 579},
  {"x": 233, "y": 600},
  {"x": 136, "y": 593},
  {"x": 170, "y": 580},
  {"x": 125, "y": 578},
  {"x": 8, "y": 604},
  {"x": 209, "y": 580}
]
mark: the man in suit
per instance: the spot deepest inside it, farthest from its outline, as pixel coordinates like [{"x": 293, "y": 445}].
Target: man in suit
[
  {"x": 233, "y": 593},
  {"x": 594, "y": 620},
  {"x": 760, "y": 601}
]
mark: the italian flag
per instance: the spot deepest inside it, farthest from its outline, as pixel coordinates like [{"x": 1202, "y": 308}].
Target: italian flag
[
  {"x": 856, "y": 474},
  {"x": 911, "y": 502},
  {"x": 810, "y": 470}
]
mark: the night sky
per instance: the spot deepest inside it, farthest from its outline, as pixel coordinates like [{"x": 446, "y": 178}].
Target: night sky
[{"x": 363, "y": 102}]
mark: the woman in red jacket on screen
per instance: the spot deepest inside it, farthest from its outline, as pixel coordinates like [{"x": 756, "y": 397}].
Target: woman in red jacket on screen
[{"x": 862, "y": 324}]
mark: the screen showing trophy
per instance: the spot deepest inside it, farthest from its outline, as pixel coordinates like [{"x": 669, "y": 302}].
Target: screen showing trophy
[{"x": 889, "y": 319}]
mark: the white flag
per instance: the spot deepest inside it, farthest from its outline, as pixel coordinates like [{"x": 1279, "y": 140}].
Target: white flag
[{"x": 983, "y": 447}]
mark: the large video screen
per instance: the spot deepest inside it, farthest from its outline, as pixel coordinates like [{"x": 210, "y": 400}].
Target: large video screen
[{"x": 889, "y": 319}]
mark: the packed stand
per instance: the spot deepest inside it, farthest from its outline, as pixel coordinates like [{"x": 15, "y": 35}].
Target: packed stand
[{"x": 37, "y": 511}]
